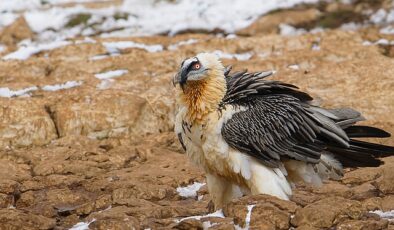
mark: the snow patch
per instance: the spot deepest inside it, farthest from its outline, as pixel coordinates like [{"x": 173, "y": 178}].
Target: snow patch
[
  {"x": 111, "y": 74},
  {"x": 82, "y": 225},
  {"x": 190, "y": 190},
  {"x": 6, "y": 18},
  {"x": 28, "y": 49},
  {"x": 351, "y": 26},
  {"x": 105, "y": 84},
  {"x": 18, "y": 5},
  {"x": 385, "y": 215},
  {"x": 247, "y": 218},
  {"x": 86, "y": 40},
  {"x": 114, "y": 47},
  {"x": 387, "y": 30},
  {"x": 218, "y": 213},
  {"x": 103, "y": 56},
  {"x": 66, "y": 85},
  {"x": 207, "y": 224},
  {"x": 381, "y": 41},
  {"x": 382, "y": 17},
  {"x": 142, "y": 17},
  {"x": 288, "y": 30},
  {"x": 6, "y": 92},
  {"x": 240, "y": 57},
  {"x": 2, "y": 48},
  {"x": 294, "y": 67},
  {"x": 182, "y": 43},
  {"x": 73, "y": 1},
  {"x": 231, "y": 36},
  {"x": 379, "y": 16}
]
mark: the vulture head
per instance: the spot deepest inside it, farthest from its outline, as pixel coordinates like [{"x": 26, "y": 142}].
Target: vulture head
[{"x": 200, "y": 67}]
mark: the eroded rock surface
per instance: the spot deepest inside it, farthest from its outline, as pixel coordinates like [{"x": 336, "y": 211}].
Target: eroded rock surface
[{"x": 103, "y": 152}]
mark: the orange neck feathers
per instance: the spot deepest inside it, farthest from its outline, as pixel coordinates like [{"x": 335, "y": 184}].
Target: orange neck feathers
[{"x": 203, "y": 96}]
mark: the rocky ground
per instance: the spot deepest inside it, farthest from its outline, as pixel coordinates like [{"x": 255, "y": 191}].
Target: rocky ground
[{"x": 100, "y": 151}]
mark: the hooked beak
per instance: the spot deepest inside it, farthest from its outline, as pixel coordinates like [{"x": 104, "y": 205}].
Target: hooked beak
[{"x": 181, "y": 76}]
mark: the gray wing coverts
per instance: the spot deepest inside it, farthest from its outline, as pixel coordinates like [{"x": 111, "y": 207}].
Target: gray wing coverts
[
  {"x": 272, "y": 128},
  {"x": 278, "y": 122}
]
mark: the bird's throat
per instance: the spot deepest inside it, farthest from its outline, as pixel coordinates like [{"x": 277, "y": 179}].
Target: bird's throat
[{"x": 202, "y": 97}]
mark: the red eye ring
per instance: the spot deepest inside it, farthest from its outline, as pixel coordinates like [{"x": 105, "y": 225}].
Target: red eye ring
[{"x": 197, "y": 66}]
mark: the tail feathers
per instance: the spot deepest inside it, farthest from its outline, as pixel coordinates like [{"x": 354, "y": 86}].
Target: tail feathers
[
  {"x": 361, "y": 154},
  {"x": 352, "y": 158},
  {"x": 377, "y": 150},
  {"x": 365, "y": 131}
]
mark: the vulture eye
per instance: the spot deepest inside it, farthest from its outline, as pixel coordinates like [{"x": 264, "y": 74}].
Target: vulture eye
[{"x": 196, "y": 66}]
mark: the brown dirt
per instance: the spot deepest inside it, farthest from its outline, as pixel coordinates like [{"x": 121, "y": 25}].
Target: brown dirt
[{"x": 86, "y": 154}]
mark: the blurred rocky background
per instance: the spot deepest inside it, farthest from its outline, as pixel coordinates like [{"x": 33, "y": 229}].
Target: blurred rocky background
[{"x": 87, "y": 108}]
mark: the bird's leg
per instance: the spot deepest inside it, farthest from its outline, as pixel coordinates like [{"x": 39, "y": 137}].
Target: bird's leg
[{"x": 221, "y": 190}]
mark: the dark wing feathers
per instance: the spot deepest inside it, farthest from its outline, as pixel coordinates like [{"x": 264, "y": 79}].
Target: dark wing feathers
[
  {"x": 279, "y": 122},
  {"x": 244, "y": 85},
  {"x": 272, "y": 127}
]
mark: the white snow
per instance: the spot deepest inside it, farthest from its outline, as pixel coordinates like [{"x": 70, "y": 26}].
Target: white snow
[
  {"x": 351, "y": 26},
  {"x": 231, "y": 36},
  {"x": 381, "y": 41},
  {"x": 190, "y": 190},
  {"x": 105, "y": 84},
  {"x": 110, "y": 74},
  {"x": 73, "y": 1},
  {"x": 182, "y": 43},
  {"x": 114, "y": 47},
  {"x": 385, "y": 215},
  {"x": 249, "y": 215},
  {"x": 29, "y": 49},
  {"x": 294, "y": 67},
  {"x": 66, "y": 85},
  {"x": 247, "y": 218},
  {"x": 85, "y": 40},
  {"x": 240, "y": 57},
  {"x": 288, "y": 30},
  {"x": 103, "y": 56},
  {"x": 82, "y": 225},
  {"x": 207, "y": 224},
  {"x": 382, "y": 17},
  {"x": 144, "y": 17},
  {"x": 6, "y": 92},
  {"x": 18, "y": 5},
  {"x": 7, "y": 18},
  {"x": 379, "y": 16},
  {"x": 2, "y": 48},
  {"x": 54, "y": 18},
  {"x": 218, "y": 213},
  {"x": 387, "y": 30}
]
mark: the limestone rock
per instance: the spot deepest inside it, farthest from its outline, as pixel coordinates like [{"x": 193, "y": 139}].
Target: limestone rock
[
  {"x": 327, "y": 212},
  {"x": 24, "y": 122},
  {"x": 15, "y": 219}
]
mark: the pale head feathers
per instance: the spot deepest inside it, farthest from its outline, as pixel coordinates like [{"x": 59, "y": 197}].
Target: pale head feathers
[{"x": 201, "y": 85}]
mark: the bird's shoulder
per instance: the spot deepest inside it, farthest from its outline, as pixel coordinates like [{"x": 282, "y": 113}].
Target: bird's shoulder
[{"x": 243, "y": 86}]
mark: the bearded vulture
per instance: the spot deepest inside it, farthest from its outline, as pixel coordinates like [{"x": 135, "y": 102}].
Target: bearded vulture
[{"x": 252, "y": 135}]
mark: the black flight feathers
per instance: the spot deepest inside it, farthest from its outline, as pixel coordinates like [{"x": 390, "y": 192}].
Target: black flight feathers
[{"x": 279, "y": 124}]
